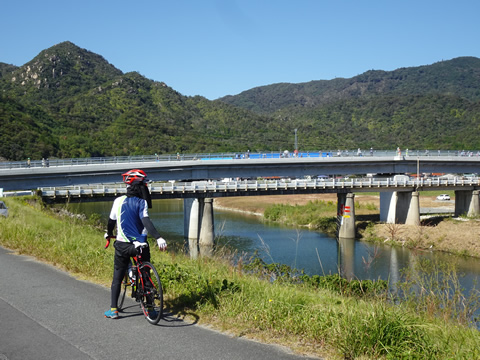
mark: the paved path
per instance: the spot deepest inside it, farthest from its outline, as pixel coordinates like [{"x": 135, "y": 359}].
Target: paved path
[{"x": 47, "y": 314}]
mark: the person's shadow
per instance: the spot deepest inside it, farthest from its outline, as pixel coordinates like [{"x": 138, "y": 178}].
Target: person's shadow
[{"x": 169, "y": 319}]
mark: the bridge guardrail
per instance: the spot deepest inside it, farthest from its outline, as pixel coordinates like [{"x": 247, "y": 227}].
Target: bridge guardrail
[
  {"x": 259, "y": 186},
  {"x": 223, "y": 156}
]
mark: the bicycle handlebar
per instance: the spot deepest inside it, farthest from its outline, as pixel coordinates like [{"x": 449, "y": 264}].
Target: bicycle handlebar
[
  {"x": 107, "y": 244},
  {"x": 108, "y": 240}
]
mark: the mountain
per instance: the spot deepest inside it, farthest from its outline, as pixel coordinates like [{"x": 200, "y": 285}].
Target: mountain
[
  {"x": 458, "y": 77},
  {"x": 70, "y": 102},
  {"x": 59, "y": 72},
  {"x": 428, "y": 107},
  {"x": 6, "y": 68}
]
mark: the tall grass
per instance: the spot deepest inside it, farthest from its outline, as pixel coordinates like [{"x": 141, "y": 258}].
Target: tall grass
[
  {"x": 317, "y": 214},
  {"x": 305, "y": 315},
  {"x": 64, "y": 242},
  {"x": 320, "y": 215},
  {"x": 433, "y": 288}
]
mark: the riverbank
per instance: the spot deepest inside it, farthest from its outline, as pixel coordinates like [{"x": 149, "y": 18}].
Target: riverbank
[
  {"x": 311, "y": 315},
  {"x": 458, "y": 236}
]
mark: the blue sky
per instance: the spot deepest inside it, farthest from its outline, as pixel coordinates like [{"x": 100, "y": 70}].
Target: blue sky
[{"x": 215, "y": 48}]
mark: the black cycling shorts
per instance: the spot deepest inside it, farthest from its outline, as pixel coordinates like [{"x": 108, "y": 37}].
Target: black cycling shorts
[{"x": 125, "y": 250}]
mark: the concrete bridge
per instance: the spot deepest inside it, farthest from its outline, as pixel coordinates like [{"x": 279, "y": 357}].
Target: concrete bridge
[
  {"x": 17, "y": 176},
  {"x": 398, "y": 200}
]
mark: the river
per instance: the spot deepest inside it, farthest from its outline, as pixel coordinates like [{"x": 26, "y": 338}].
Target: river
[{"x": 312, "y": 251}]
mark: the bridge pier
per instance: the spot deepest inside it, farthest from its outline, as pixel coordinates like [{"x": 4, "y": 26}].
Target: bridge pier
[
  {"x": 191, "y": 225},
  {"x": 346, "y": 234},
  {"x": 400, "y": 207},
  {"x": 206, "y": 237},
  {"x": 467, "y": 202},
  {"x": 413, "y": 214},
  {"x": 199, "y": 226},
  {"x": 346, "y": 215}
]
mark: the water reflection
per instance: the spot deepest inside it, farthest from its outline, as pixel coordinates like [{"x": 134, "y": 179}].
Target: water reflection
[{"x": 346, "y": 257}]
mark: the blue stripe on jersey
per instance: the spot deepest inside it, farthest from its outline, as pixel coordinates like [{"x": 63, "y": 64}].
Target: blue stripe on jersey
[{"x": 129, "y": 212}]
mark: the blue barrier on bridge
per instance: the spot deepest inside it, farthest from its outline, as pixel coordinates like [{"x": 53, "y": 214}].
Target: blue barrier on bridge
[
  {"x": 217, "y": 158},
  {"x": 263, "y": 156},
  {"x": 278, "y": 155}
]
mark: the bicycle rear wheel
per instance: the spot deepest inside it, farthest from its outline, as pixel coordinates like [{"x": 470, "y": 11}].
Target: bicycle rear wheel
[{"x": 151, "y": 298}]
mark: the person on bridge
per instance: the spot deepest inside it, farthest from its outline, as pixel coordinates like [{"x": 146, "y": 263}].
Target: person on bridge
[{"x": 130, "y": 214}]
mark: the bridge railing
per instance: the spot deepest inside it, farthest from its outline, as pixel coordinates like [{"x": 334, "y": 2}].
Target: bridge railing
[
  {"x": 225, "y": 156},
  {"x": 180, "y": 188}
]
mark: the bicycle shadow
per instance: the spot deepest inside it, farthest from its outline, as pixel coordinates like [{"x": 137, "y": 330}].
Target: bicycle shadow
[
  {"x": 169, "y": 318},
  {"x": 130, "y": 311}
]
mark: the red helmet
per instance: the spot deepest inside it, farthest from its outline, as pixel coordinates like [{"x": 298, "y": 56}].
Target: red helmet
[{"x": 135, "y": 175}]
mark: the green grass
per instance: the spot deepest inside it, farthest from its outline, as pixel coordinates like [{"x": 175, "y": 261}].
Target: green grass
[
  {"x": 328, "y": 317},
  {"x": 319, "y": 215},
  {"x": 67, "y": 243},
  {"x": 316, "y": 214}
]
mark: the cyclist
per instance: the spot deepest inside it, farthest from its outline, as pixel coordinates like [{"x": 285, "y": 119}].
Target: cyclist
[{"x": 130, "y": 214}]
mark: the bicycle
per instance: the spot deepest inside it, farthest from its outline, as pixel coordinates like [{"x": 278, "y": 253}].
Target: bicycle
[{"x": 146, "y": 288}]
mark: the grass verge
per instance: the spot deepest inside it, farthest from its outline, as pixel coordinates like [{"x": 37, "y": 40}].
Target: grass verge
[{"x": 252, "y": 301}]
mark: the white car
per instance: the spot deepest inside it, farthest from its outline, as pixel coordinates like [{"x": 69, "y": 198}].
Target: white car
[{"x": 443, "y": 197}]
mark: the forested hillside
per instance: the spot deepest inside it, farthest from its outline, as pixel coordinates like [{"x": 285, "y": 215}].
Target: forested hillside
[
  {"x": 459, "y": 77},
  {"x": 386, "y": 122},
  {"x": 70, "y": 102},
  {"x": 427, "y": 107}
]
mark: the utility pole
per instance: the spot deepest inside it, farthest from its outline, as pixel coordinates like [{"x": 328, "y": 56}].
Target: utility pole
[
  {"x": 296, "y": 145},
  {"x": 418, "y": 170}
]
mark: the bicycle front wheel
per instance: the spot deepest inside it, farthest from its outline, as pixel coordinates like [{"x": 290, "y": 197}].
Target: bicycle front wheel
[{"x": 151, "y": 298}]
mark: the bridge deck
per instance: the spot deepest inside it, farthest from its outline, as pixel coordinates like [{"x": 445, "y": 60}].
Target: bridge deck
[
  {"x": 102, "y": 171},
  {"x": 212, "y": 189}
]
